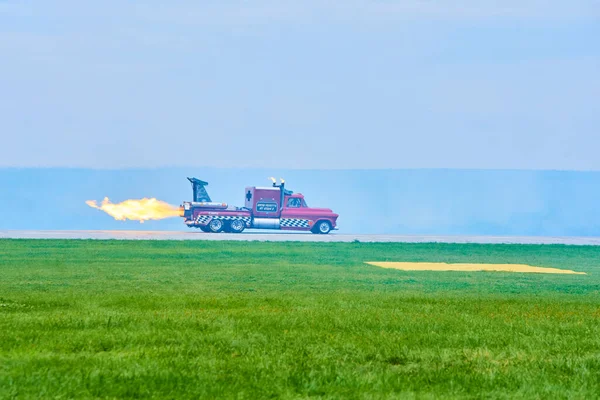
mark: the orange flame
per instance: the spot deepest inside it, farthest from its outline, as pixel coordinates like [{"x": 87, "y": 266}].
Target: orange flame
[{"x": 137, "y": 210}]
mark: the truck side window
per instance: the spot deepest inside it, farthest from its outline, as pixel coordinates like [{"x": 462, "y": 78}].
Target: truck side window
[{"x": 293, "y": 202}]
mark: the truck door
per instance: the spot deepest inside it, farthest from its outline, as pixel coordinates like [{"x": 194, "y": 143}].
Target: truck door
[{"x": 295, "y": 215}]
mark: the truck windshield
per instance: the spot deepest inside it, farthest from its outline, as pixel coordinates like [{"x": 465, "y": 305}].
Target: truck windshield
[{"x": 294, "y": 202}]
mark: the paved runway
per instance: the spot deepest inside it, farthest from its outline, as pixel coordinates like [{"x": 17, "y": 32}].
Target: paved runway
[{"x": 276, "y": 236}]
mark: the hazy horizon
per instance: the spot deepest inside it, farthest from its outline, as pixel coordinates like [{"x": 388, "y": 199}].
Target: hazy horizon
[{"x": 428, "y": 201}]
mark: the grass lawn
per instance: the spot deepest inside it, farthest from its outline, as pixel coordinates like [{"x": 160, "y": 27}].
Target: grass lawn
[{"x": 160, "y": 319}]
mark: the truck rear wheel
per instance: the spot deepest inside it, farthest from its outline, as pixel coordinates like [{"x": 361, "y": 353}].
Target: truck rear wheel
[
  {"x": 322, "y": 227},
  {"x": 237, "y": 226},
  {"x": 216, "y": 225}
]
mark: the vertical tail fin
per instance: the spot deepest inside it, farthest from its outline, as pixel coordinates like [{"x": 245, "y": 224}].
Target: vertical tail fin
[{"x": 200, "y": 193}]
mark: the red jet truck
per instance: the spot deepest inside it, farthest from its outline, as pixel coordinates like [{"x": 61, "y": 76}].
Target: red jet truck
[{"x": 265, "y": 208}]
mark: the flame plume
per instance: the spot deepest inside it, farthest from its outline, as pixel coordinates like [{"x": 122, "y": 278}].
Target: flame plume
[{"x": 137, "y": 210}]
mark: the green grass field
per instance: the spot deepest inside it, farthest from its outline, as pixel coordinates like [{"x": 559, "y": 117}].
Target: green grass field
[{"x": 196, "y": 319}]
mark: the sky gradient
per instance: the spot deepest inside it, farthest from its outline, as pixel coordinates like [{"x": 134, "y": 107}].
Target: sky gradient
[{"x": 311, "y": 84}]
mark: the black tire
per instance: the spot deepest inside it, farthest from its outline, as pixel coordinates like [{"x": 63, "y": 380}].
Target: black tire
[
  {"x": 205, "y": 229},
  {"x": 216, "y": 225},
  {"x": 323, "y": 227},
  {"x": 237, "y": 226}
]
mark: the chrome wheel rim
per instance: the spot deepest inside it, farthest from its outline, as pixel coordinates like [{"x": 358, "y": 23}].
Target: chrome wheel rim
[
  {"x": 237, "y": 225},
  {"x": 324, "y": 227}
]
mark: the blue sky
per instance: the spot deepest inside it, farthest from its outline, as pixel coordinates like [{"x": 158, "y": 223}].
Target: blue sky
[{"x": 304, "y": 84}]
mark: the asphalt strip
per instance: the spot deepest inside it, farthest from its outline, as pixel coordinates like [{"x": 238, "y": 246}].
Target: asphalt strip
[{"x": 424, "y": 266}]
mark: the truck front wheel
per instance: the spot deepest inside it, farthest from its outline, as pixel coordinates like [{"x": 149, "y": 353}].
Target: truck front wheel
[{"x": 322, "y": 227}]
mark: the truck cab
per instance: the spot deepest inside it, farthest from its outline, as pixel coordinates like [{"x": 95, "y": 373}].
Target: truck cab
[{"x": 319, "y": 220}]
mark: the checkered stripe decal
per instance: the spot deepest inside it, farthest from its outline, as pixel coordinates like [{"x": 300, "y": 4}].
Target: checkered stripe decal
[
  {"x": 203, "y": 219},
  {"x": 294, "y": 222}
]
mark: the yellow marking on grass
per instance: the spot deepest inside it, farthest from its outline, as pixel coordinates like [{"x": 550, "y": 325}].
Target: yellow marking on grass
[{"x": 427, "y": 266}]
